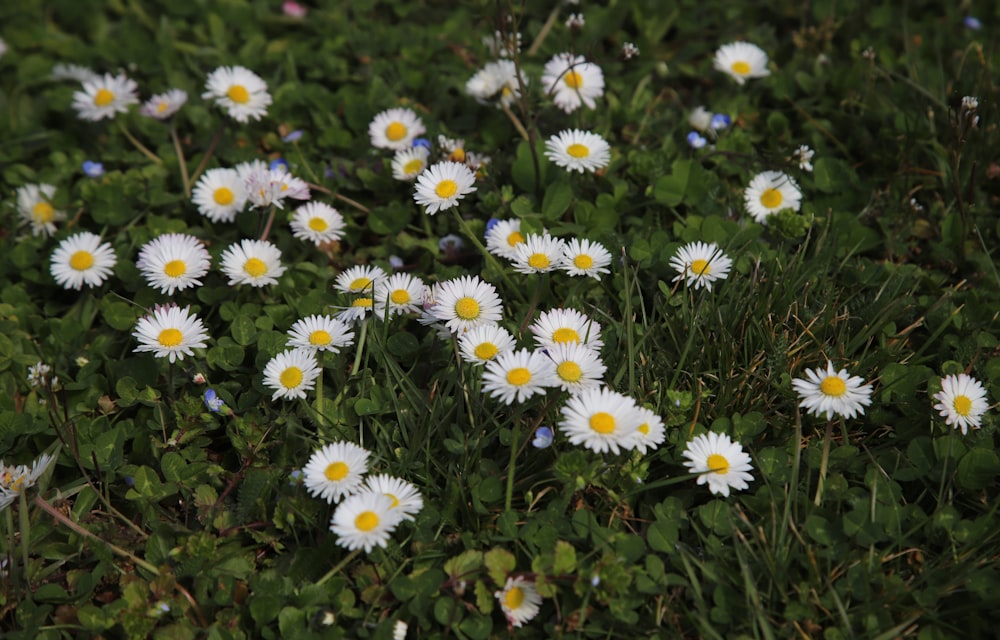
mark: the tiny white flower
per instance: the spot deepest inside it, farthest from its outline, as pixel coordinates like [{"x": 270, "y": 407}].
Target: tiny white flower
[
  {"x": 365, "y": 521},
  {"x": 585, "y": 258},
  {"x": 34, "y": 205},
  {"x": 409, "y": 163},
  {"x": 832, "y": 392},
  {"x": 722, "y": 463},
  {"x": 170, "y": 332},
  {"x": 291, "y": 373},
  {"x": 518, "y": 375},
  {"x": 577, "y": 150},
  {"x": 395, "y": 129},
  {"x": 769, "y": 192},
  {"x": 741, "y": 61},
  {"x": 320, "y": 333},
  {"x": 220, "y": 194},
  {"x": 961, "y": 402},
  {"x": 105, "y": 97},
  {"x": 442, "y": 185},
  {"x": 336, "y": 470},
  {"x": 163, "y": 105},
  {"x": 241, "y": 92},
  {"x": 82, "y": 259},
  {"x": 253, "y": 262},
  {"x": 318, "y": 223},
  {"x": 572, "y": 82},
  {"x": 538, "y": 254},
  {"x": 700, "y": 264},
  {"x": 481, "y": 344}
]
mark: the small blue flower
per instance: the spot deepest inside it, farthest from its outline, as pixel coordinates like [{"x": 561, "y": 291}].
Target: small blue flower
[
  {"x": 279, "y": 165},
  {"x": 451, "y": 243},
  {"x": 543, "y": 438},
  {"x": 696, "y": 140},
  {"x": 396, "y": 262},
  {"x": 719, "y": 121},
  {"x": 492, "y": 222},
  {"x": 213, "y": 402},
  {"x": 972, "y": 22},
  {"x": 293, "y": 136},
  {"x": 93, "y": 169},
  {"x": 294, "y": 477},
  {"x": 422, "y": 142}
]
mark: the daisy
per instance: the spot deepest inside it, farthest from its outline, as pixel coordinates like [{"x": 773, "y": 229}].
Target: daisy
[
  {"x": 519, "y": 600},
  {"x": 16, "y": 479},
  {"x": 400, "y": 293},
  {"x": 360, "y": 308},
  {"x": 318, "y": 223},
  {"x": 650, "y": 433},
  {"x": 320, "y": 333},
  {"x": 359, "y": 279},
  {"x": 291, "y": 373},
  {"x": 503, "y": 237},
  {"x": 741, "y": 60},
  {"x": 566, "y": 326},
  {"x": 266, "y": 187},
  {"x": 241, "y": 92},
  {"x": 601, "y": 420},
  {"x": 572, "y": 82},
  {"x": 219, "y": 194},
  {"x": 170, "y": 332},
  {"x": 803, "y": 155},
  {"x": 253, "y": 262},
  {"x": 442, "y": 185},
  {"x": 105, "y": 97},
  {"x": 75, "y": 72},
  {"x": 407, "y": 164},
  {"x": 701, "y": 264},
  {"x": 163, "y": 105},
  {"x": 961, "y": 401},
  {"x": 405, "y": 497},
  {"x": 585, "y": 258},
  {"x": 518, "y": 375},
  {"x": 466, "y": 302},
  {"x": 770, "y": 192},
  {"x": 538, "y": 254},
  {"x": 34, "y": 203},
  {"x": 82, "y": 259},
  {"x": 720, "y": 461},
  {"x": 832, "y": 392},
  {"x": 173, "y": 261},
  {"x": 577, "y": 150},
  {"x": 496, "y": 82},
  {"x": 577, "y": 367},
  {"x": 395, "y": 129},
  {"x": 482, "y": 344},
  {"x": 335, "y": 471},
  {"x": 365, "y": 521}
]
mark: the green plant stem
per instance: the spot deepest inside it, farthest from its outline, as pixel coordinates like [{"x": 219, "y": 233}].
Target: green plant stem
[
  {"x": 182, "y": 163},
  {"x": 360, "y": 349},
  {"x": 517, "y": 125},
  {"x": 489, "y": 257},
  {"x": 823, "y": 463},
  {"x": 305, "y": 163},
  {"x": 270, "y": 222},
  {"x": 141, "y": 148},
  {"x": 24, "y": 523},
  {"x": 509, "y": 497},
  {"x": 208, "y": 153},
  {"x": 340, "y": 565},
  {"x": 544, "y": 31}
]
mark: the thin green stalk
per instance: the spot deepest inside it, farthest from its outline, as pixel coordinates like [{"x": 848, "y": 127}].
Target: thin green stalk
[
  {"x": 208, "y": 153},
  {"x": 141, "y": 148},
  {"x": 24, "y": 523},
  {"x": 509, "y": 497},
  {"x": 270, "y": 221},
  {"x": 340, "y": 565},
  {"x": 824, "y": 463},
  {"x": 489, "y": 257},
  {"x": 185, "y": 178},
  {"x": 360, "y": 348}
]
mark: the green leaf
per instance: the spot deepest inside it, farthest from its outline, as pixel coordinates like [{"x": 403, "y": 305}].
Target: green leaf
[
  {"x": 557, "y": 199},
  {"x": 499, "y": 563},
  {"x": 244, "y": 330},
  {"x": 119, "y": 315},
  {"x": 464, "y": 564},
  {"x": 978, "y": 469},
  {"x": 565, "y": 558},
  {"x": 662, "y": 536},
  {"x": 523, "y": 169}
]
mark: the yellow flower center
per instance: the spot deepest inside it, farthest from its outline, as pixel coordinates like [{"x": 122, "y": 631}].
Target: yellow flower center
[
  {"x": 81, "y": 260},
  {"x": 360, "y": 284},
  {"x": 318, "y": 225},
  {"x": 336, "y": 471},
  {"x": 519, "y": 376},
  {"x": 833, "y": 386},
  {"x": 238, "y": 94},
  {"x": 700, "y": 267},
  {"x": 103, "y": 98},
  {"x": 741, "y": 68},
  {"x": 320, "y": 338},
  {"x": 718, "y": 464},
  {"x": 602, "y": 422},
  {"x": 395, "y": 500},
  {"x": 223, "y": 196},
  {"x": 400, "y": 296},
  {"x": 583, "y": 261},
  {"x": 175, "y": 268},
  {"x": 43, "y": 212},
  {"x": 446, "y": 188},
  {"x": 362, "y": 302},
  {"x": 578, "y": 150},
  {"x": 515, "y": 238},
  {"x": 255, "y": 267},
  {"x": 565, "y": 335},
  {"x": 573, "y": 79},
  {"x": 514, "y": 597},
  {"x": 163, "y": 106},
  {"x": 291, "y": 377},
  {"x": 962, "y": 405},
  {"x": 569, "y": 371},
  {"x": 538, "y": 261},
  {"x": 771, "y": 198},
  {"x": 396, "y": 131},
  {"x": 486, "y": 351},
  {"x": 467, "y": 308},
  {"x": 413, "y": 166},
  {"x": 643, "y": 428},
  {"x": 170, "y": 337},
  {"x": 366, "y": 521}
]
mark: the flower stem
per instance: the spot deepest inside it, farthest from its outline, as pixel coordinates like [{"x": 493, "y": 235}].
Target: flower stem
[
  {"x": 340, "y": 565},
  {"x": 141, "y": 148},
  {"x": 185, "y": 178},
  {"x": 824, "y": 463},
  {"x": 509, "y": 497},
  {"x": 360, "y": 349},
  {"x": 270, "y": 221},
  {"x": 208, "y": 153}
]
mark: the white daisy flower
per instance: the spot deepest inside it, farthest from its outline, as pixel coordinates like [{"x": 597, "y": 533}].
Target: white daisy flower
[
  {"x": 105, "y": 97},
  {"x": 241, "y": 92},
  {"x": 466, "y": 302},
  {"x": 399, "y": 630},
  {"x": 721, "y": 462},
  {"x": 585, "y": 258},
  {"x": 16, "y": 479},
  {"x": 173, "y": 261},
  {"x": 442, "y": 185},
  {"x": 320, "y": 333},
  {"x": 253, "y": 262},
  {"x": 769, "y": 192},
  {"x": 170, "y": 332},
  {"x": 359, "y": 279},
  {"x": 266, "y": 187},
  {"x": 365, "y": 521},
  {"x": 572, "y": 82},
  {"x": 409, "y": 163},
  {"x": 78, "y": 73},
  {"x": 361, "y": 307},
  {"x": 961, "y": 402},
  {"x": 832, "y": 392},
  {"x": 82, "y": 259},
  {"x": 496, "y": 83},
  {"x": 601, "y": 420},
  {"x": 482, "y": 344},
  {"x": 566, "y": 326},
  {"x": 291, "y": 373},
  {"x": 700, "y": 119},
  {"x": 163, "y": 105},
  {"x": 577, "y": 367},
  {"x": 502, "y": 239},
  {"x": 577, "y": 150},
  {"x": 395, "y": 129},
  {"x": 318, "y": 223},
  {"x": 519, "y": 600},
  {"x": 335, "y": 471},
  {"x": 741, "y": 60},
  {"x": 701, "y": 264},
  {"x": 220, "y": 194},
  {"x": 405, "y": 497},
  {"x": 804, "y": 155},
  {"x": 399, "y": 293},
  {"x": 518, "y": 375},
  {"x": 650, "y": 434},
  {"x": 34, "y": 204},
  {"x": 538, "y": 254}
]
